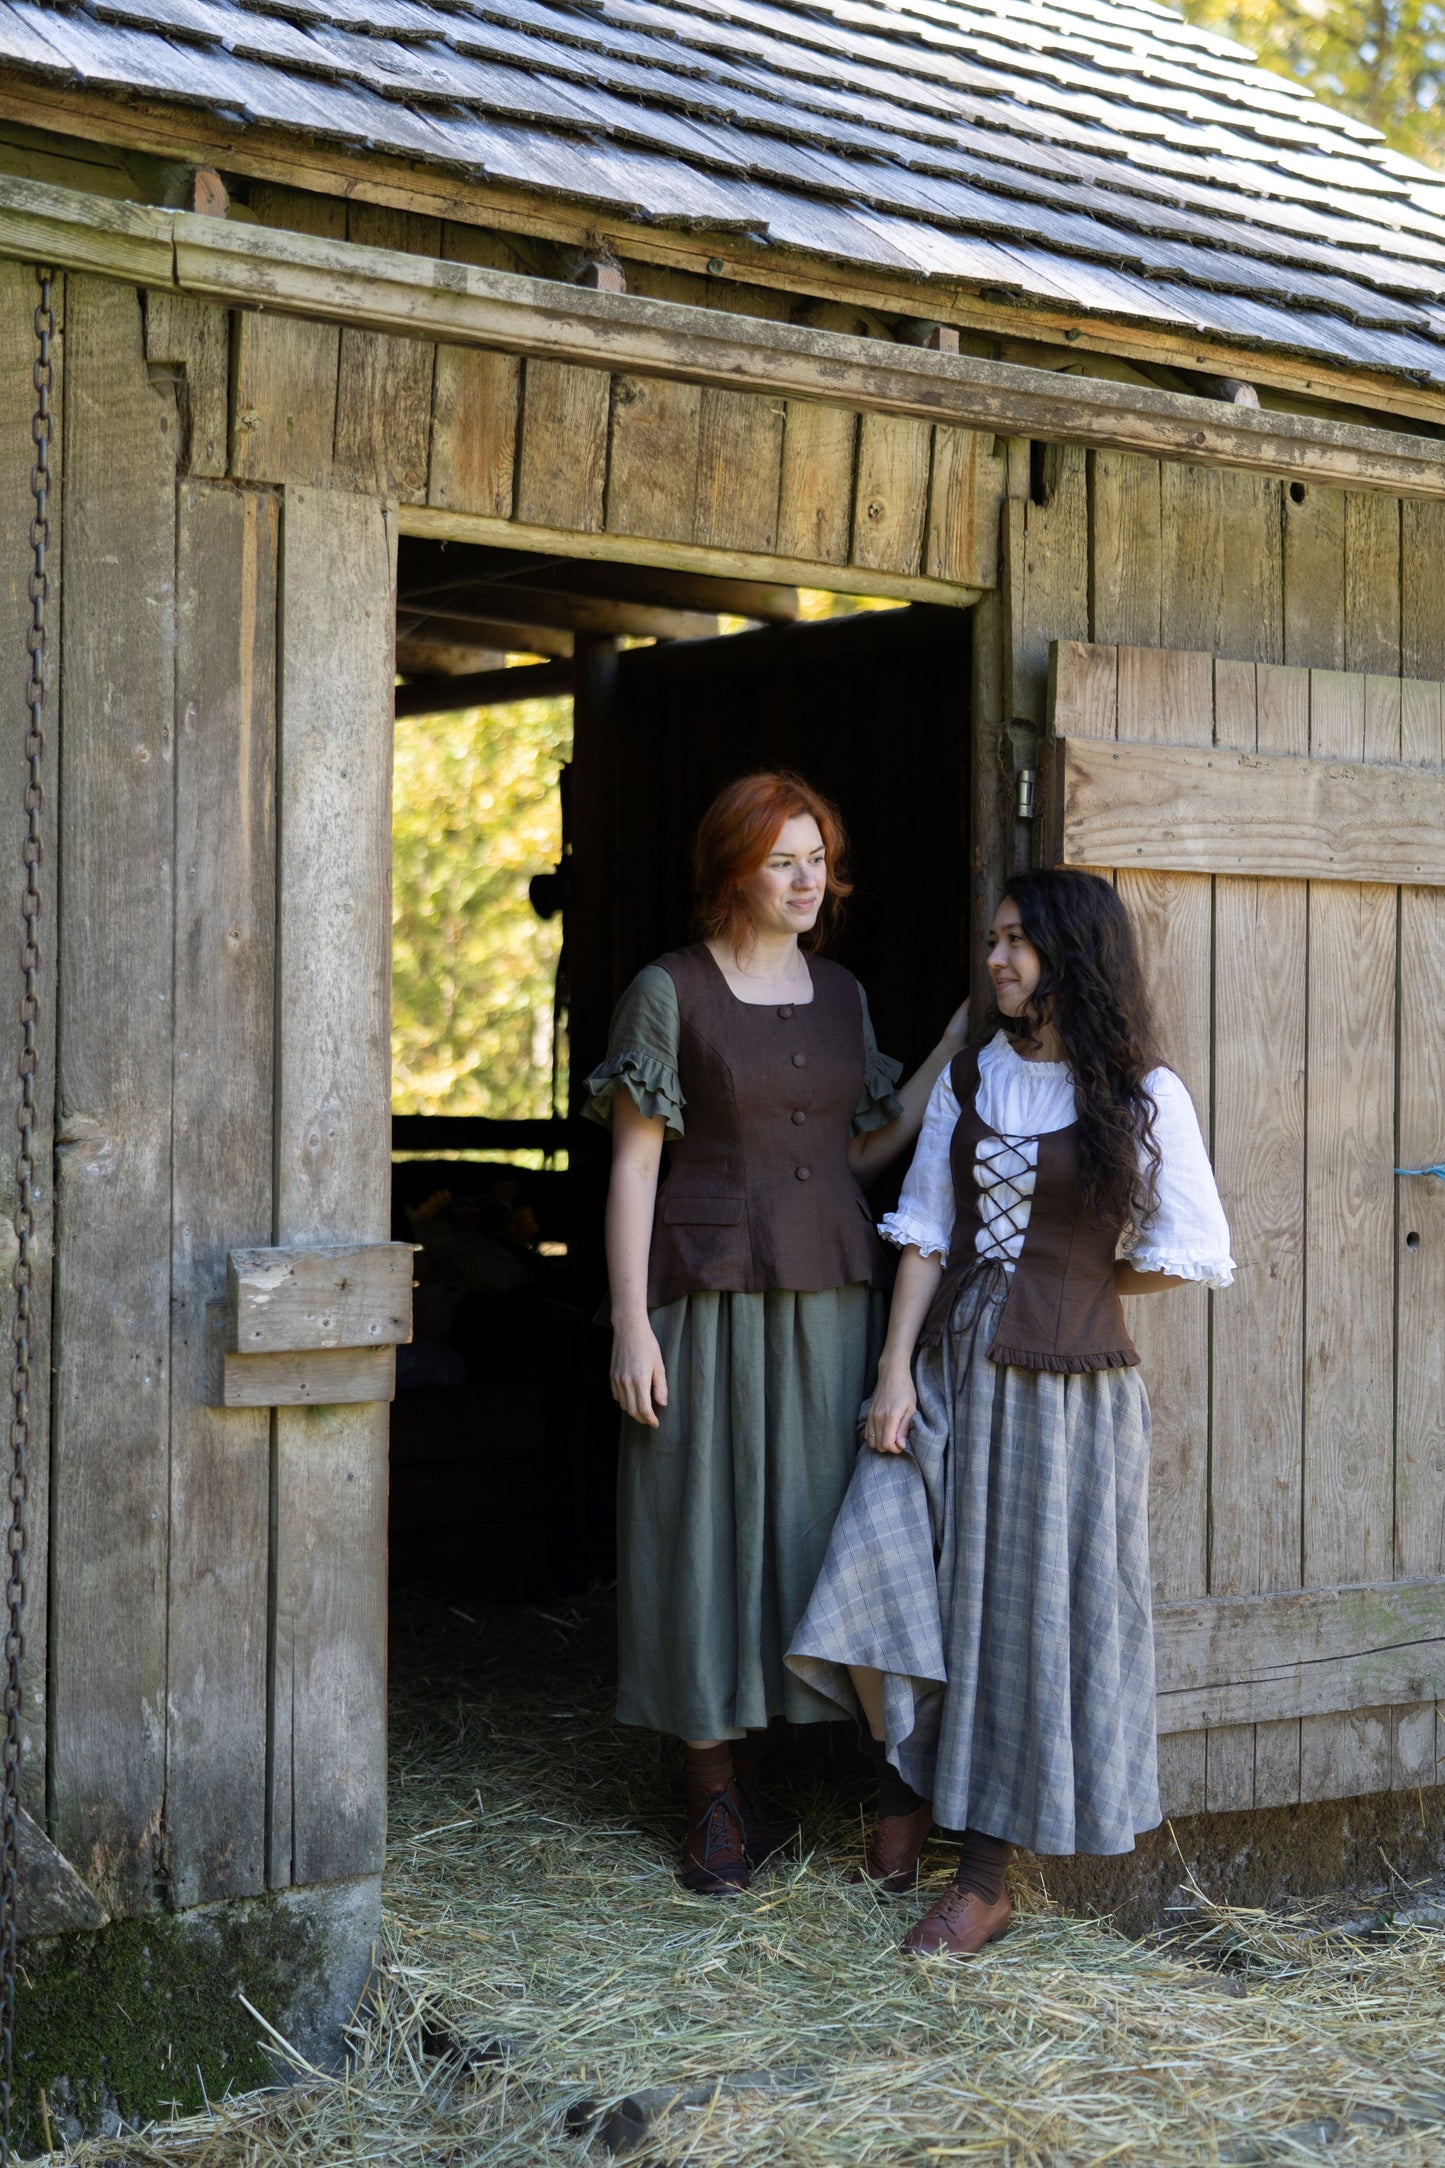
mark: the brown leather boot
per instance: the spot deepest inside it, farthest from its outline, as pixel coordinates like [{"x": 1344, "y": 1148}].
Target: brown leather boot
[
  {"x": 959, "y": 1925},
  {"x": 713, "y": 1859},
  {"x": 895, "y": 1844}
]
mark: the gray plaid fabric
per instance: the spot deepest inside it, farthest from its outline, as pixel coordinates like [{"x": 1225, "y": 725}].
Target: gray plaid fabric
[{"x": 998, "y": 1575}]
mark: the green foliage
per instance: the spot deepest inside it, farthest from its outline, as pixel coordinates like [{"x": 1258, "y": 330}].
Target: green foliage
[
  {"x": 1381, "y": 60},
  {"x": 477, "y": 812}
]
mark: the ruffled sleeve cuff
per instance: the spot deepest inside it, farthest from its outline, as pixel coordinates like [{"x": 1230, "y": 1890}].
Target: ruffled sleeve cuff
[
  {"x": 880, "y": 1103},
  {"x": 909, "y": 1230},
  {"x": 1208, "y": 1271},
  {"x": 652, "y": 1085}
]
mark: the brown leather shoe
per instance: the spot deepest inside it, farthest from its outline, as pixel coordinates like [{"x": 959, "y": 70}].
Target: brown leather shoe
[
  {"x": 959, "y": 1925},
  {"x": 895, "y": 1844},
  {"x": 713, "y": 1859}
]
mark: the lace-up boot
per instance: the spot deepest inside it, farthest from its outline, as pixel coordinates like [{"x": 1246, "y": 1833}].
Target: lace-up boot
[{"x": 714, "y": 1859}]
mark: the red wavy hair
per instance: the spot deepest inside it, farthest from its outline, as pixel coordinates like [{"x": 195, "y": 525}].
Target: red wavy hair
[{"x": 737, "y": 834}]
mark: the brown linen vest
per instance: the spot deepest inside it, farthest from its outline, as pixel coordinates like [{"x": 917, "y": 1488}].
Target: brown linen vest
[
  {"x": 760, "y": 1194},
  {"x": 1063, "y": 1311}
]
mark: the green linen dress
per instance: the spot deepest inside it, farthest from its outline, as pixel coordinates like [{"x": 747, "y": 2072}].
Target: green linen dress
[{"x": 724, "y": 1511}]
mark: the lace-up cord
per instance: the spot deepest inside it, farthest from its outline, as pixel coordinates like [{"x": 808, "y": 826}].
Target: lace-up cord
[{"x": 998, "y": 1178}]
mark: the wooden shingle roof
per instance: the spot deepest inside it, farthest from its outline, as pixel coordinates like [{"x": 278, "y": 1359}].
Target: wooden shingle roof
[{"x": 1094, "y": 155}]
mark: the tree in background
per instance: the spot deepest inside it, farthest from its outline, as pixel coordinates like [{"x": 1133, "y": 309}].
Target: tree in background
[
  {"x": 1381, "y": 60},
  {"x": 476, "y": 813}
]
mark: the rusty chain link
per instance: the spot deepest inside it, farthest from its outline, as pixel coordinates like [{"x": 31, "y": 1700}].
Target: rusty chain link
[{"x": 23, "y": 1277}]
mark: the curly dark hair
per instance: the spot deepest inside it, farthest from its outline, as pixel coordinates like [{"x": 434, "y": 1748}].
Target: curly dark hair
[{"x": 1091, "y": 989}]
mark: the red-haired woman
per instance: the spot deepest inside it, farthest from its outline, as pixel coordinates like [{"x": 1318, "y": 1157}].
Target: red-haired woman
[{"x": 744, "y": 1303}]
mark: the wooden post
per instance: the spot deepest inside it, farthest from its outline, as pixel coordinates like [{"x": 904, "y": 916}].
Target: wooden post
[
  {"x": 590, "y": 915},
  {"x": 328, "y": 1668}
]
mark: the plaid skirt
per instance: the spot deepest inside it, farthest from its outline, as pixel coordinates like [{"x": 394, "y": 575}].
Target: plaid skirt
[{"x": 997, "y": 1574}]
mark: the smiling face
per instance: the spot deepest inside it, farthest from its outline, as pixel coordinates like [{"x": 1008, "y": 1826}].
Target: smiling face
[
  {"x": 786, "y": 893},
  {"x": 1013, "y": 961}
]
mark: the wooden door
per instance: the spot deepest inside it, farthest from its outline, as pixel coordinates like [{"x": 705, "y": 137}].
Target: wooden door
[{"x": 1279, "y": 836}]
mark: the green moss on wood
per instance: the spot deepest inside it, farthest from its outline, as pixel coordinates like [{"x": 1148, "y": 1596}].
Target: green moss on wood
[{"x": 145, "y": 2014}]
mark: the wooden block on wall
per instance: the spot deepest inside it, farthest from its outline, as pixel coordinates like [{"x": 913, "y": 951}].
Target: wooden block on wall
[
  {"x": 475, "y": 401},
  {"x": 340, "y": 1295},
  {"x": 283, "y": 398},
  {"x": 564, "y": 446},
  {"x": 315, "y": 1378},
  {"x": 815, "y": 500},
  {"x": 739, "y": 470},
  {"x": 652, "y": 465},
  {"x": 890, "y": 498}
]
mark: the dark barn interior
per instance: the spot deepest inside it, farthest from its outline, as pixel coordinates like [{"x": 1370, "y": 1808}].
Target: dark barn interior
[{"x": 503, "y": 1430}]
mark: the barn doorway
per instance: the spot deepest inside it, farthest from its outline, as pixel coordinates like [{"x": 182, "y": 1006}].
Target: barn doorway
[{"x": 578, "y": 716}]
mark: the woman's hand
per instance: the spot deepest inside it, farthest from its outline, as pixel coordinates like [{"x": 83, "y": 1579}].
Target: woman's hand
[
  {"x": 955, "y": 1031},
  {"x": 891, "y": 1410},
  {"x": 639, "y": 1379}
]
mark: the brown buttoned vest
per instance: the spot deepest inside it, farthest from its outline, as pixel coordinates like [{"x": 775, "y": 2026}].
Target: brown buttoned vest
[
  {"x": 1063, "y": 1310},
  {"x": 759, "y": 1193}
]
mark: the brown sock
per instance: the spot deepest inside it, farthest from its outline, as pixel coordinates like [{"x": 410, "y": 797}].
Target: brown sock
[
  {"x": 711, "y": 1766},
  {"x": 895, "y": 1794},
  {"x": 981, "y": 1866}
]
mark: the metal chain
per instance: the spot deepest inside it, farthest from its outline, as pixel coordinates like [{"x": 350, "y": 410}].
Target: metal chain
[{"x": 23, "y": 1278}]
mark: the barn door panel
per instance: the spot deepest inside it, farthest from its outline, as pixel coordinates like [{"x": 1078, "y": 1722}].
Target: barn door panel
[
  {"x": 1315, "y": 1403},
  {"x": 333, "y": 1101}
]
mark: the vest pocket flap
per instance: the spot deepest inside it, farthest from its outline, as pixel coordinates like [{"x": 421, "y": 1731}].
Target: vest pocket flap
[{"x": 702, "y": 1211}]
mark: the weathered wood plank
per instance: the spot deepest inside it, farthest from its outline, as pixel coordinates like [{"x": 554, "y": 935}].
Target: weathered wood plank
[
  {"x": 19, "y": 293},
  {"x": 1220, "y": 811},
  {"x": 965, "y": 498},
  {"x": 383, "y": 415},
  {"x": 739, "y": 471},
  {"x": 652, "y": 465},
  {"x": 475, "y": 402},
  {"x": 1235, "y": 1659},
  {"x": 332, "y": 1170},
  {"x": 283, "y": 399},
  {"x": 1372, "y": 584},
  {"x": 1046, "y": 571},
  {"x": 336, "y": 1295},
  {"x": 1422, "y": 591},
  {"x": 563, "y": 460},
  {"x": 1126, "y": 548},
  {"x": 1192, "y": 581},
  {"x": 221, "y": 1181},
  {"x": 1314, "y": 577},
  {"x": 110, "y": 1461},
  {"x": 1420, "y": 1238},
  {"x": 815, "y": 499},
  {"x": 1251, "y": 617},
  {"x": 333, "y": 1377},
  {"x": 298, "y": 210},
  {"x": 1084, "y": 689},
  {"x": 890, "y": 495},
  {"x": 195, "y": 338}
]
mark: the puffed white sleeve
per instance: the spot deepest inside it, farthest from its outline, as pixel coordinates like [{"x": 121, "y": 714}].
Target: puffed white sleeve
[
  {"x": 1188, "y": 1235},
  {"x": 924, "y": 1215}
]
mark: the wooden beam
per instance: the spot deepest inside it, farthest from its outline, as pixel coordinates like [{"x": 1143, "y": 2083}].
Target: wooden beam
[
  {"x": 725, "y": 262},
  {"x": 493, "y": 602},
  {"x": 1187, "y": 810},
  {"x": 766, "y": 601},
  {"x": 484, "y": 689},
  {"x": 336, "y": 1377},
  {"x": 434, "y": 524},
  {"x": 388, "y": 290},
  {"x": 328, "y": 1296},
  {"x": 489, "y": 635},
  {"x": 1256, "y": 1659}
]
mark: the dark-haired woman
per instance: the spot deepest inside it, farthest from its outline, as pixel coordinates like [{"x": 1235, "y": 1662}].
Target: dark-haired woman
[
  {"x": 986, "y": 1590},
  {"x": 745, "y": 1312}
]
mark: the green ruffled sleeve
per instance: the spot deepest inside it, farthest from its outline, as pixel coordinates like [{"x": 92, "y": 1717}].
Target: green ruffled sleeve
[
  {"x": 880, "y": 1103},
  {"x": 641, "y": 1054}
]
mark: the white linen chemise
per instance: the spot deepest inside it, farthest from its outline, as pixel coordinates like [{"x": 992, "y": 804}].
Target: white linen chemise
[{"x": 1019, "y": 1101}]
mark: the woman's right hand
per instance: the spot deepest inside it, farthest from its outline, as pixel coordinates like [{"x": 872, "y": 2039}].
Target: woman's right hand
[
  {"x": 639, "y": 1378},
  {"x": 891, "y": 1410}
]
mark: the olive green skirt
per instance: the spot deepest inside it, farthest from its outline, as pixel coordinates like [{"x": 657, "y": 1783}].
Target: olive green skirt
[{"x": 724, "y": 1512}]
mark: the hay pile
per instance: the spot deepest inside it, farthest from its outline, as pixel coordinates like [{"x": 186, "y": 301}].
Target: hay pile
[{"x": 550, "y": 1993}]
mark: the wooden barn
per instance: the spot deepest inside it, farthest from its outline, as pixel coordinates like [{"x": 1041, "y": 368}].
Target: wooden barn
[{"x": 382, "y": 340}]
